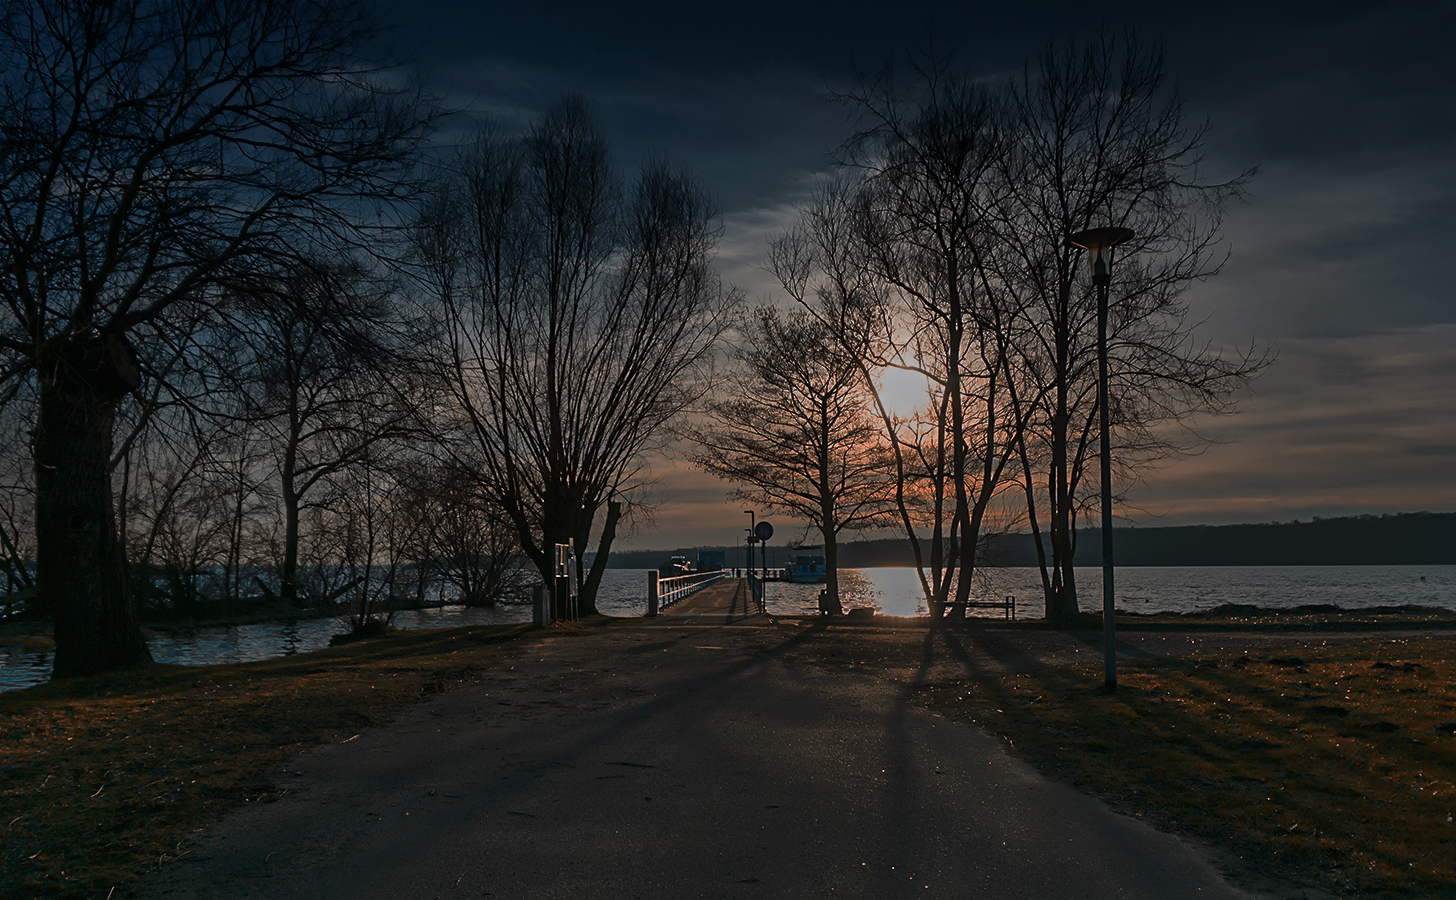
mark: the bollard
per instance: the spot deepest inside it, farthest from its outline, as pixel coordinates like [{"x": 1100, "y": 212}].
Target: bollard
[
  {"x": 652, "y": 594},
  {"x": 542, "y": 616}
]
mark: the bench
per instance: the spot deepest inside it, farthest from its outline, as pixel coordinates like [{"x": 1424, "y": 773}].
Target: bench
[{"x": 1008, "y": 605}]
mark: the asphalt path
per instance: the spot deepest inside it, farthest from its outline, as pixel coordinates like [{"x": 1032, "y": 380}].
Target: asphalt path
[{"x": 677, "y": 761}]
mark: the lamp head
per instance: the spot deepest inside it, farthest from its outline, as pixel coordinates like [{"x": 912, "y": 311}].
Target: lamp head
[{"x": 1098, "y": 242}]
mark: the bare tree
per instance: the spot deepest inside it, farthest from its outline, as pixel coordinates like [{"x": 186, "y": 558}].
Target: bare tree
[
  {"x": 577, "y": 315},
  {"x": 466, "y": 540},
  {"x": 238, "y": 479},
  {"x": 796, "y": 432},
  {"x": 373, "y": 529},
  {"x": 153, "y": 149},
  {"x": 314, "y": 357},
  {"x": 916, "y": 222},
  {"x": 190, "y": 494},
  {"x": 1099, "y": 140},
  {"x": 953, "y": 219},
  {"x": 166, "y": 522}
]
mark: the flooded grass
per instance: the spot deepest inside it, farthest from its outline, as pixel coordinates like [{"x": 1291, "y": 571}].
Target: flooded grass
[
  {"x": 1333, "y": 765},
  {"x": 103, "y": 778}
]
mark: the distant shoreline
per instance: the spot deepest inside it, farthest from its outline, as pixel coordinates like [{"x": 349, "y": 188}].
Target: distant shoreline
[{"x": 1403, "y": 539}]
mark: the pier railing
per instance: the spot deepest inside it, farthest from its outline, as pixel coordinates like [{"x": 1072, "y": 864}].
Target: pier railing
[
  {"x": 664, "y": 592},
  {"x": 755, "y": 588}
]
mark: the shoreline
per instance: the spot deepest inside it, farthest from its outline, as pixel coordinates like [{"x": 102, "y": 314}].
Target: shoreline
[{"x": 1227, "y": 617}]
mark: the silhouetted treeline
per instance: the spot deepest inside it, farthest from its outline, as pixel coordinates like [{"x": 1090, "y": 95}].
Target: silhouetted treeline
[{"x": 1401, "y": 539}]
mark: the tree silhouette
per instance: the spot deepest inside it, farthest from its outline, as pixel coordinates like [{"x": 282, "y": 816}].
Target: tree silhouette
[
  {"x": 945, "y": 233},
  {"x": 152, "y": 151},
  {"x": 796, "y": 434},
  {"x": 1099, "y": 140},
  {"x": 578, "y": 315}
]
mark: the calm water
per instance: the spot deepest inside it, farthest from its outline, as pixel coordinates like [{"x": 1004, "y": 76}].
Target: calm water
[{"x": 894, "y": 592}]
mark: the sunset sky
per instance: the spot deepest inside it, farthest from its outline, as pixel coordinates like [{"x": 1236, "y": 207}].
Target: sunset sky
[{"x": 1344, "y": 252}]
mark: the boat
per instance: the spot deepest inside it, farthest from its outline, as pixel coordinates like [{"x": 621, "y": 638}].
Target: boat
[
  {"x": 807, "y": 569},
  {"x": 678, "y": 565}
]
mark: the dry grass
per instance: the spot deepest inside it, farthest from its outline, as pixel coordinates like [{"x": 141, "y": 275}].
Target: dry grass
[
  {"x": 1334, "y": 766},
  {"x": 103, "y": 778}
]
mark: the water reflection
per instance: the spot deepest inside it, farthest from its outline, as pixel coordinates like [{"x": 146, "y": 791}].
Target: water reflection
[
  {"x": 21, "y": 668},
  {"x": 251, "y": 643},
  {"x": 1150, "y": 589}
]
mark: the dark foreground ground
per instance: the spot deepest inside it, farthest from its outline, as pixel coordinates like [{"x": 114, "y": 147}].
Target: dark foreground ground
[
  {"x": 773, "y": 759},
  {"x": 670, "y": 761}
]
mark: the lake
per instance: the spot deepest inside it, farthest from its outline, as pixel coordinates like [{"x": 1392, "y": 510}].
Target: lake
[{"x": 894, "y": 592}]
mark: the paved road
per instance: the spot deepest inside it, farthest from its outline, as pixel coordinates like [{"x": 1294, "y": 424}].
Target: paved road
[{"x": 675, "y": 761}]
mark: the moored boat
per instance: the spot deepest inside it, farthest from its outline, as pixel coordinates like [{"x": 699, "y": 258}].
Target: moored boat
[{"x": 807, "y": 569}]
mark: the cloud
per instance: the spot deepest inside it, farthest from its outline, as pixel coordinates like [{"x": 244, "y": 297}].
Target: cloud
[
  {"x": 1337, "y": 426},
  {"x": 1318, "y": 251},
  {"x": 743, "y": 248}
]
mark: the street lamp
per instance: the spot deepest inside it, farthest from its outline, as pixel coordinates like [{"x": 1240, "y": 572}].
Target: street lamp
[
  {"x": 1098, "y": 242},
  {"x": 748, "y": 561}
]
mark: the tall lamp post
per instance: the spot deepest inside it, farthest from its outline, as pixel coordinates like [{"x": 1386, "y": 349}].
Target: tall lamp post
[{"x": 1098, "y": 242}]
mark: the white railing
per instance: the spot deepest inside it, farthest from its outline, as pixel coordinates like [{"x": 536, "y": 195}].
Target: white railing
[{"x": 664, "y": 592}]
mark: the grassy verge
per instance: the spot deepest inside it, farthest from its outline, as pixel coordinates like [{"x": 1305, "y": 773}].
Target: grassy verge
[
  {"x": 1332, "y": 765},
  {"x": 102, "y": 778}
]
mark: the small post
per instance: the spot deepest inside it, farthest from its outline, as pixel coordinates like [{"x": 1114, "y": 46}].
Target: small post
[
  {"x": 542, "y": 616},
  {"x": 653, "y": 594},
  {"x": 571, "y": 585}
]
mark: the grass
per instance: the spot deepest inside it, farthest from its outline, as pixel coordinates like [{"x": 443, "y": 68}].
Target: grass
[
  {"x": 1333, "y": 765},
  {"x": 103, "y": 778}
]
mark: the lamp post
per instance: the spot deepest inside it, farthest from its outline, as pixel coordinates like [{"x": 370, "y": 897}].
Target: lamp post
[
  {"x": 1098, "y": 242},
  {"x": 748, "y": 560}
]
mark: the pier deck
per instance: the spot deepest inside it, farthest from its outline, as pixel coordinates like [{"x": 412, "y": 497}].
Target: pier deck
[{"x": 720, "y": 603}]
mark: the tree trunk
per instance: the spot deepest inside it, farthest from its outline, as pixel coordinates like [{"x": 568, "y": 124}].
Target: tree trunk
[
  {"x": 288, "y": 589},
  {"x": 80, "y": 563},
  {"x": 832, "y": 604},
  {"x": 588, "y": 599},
  {"x": 1061, "y": 599},
  {"x": 288, "y": 578},
  {"x": 1062, "y": 602}
]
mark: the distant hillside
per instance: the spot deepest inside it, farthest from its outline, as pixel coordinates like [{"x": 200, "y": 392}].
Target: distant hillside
[
  {"x": 1394, "y": 540},
  {"x": 1421, "y": 538}
]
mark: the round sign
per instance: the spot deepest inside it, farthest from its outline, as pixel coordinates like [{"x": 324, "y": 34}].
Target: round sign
[{"x": 763, "y": 531}]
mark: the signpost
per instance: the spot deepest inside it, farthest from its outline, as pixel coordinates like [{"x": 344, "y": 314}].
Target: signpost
[{"x": 763, "y": 531}]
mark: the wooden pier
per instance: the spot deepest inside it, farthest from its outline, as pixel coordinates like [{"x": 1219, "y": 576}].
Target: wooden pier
[{"x": 720, "y": 603}]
